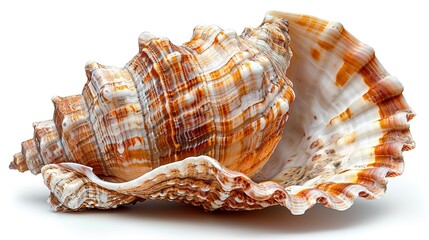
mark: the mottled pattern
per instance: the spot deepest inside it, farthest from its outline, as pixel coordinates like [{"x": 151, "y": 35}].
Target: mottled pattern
[
  {"x": 201, "y": 181},
  {"x": 355, "y": 118},
  {"x": 220, "y": 94},
  {"x": 116, "y": 117},
  {"x": 69, "y": 188},
  {"x": 78, "y": 137},
  {"x": 348, "y": 125}
]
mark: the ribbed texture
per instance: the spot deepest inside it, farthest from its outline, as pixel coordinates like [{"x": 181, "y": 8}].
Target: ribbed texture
[
  {"x": 220, "y": 94},
  {"x": 348, "y": 127}
]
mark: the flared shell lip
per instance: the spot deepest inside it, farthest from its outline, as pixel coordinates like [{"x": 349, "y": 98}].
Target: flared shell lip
[{"x": 298, "y": 199}]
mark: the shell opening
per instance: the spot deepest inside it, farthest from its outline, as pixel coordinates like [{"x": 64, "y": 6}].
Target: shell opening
[{"x": 334, "y": 128}]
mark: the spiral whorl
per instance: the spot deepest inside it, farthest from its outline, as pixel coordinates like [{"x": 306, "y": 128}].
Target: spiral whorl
[
  {"x": 220, "y": 94},
  {"x": 44, "y": 148}
]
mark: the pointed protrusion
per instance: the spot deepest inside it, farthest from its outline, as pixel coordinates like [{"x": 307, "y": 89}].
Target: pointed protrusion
[
  {"x": 90, "y": 67},
  {"x": 18, "y": 163},
  {"x": 144, "y": 39},
  {"x": 12, "y": 165},
  {"x": 30, "y": 156},
  {"x": 48, "y": 142}
]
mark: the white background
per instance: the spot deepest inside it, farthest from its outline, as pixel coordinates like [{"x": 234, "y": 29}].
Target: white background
[{"x": 44, "y": 46}]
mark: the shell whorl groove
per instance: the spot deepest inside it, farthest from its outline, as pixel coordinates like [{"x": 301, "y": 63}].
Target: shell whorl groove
[{"x": 220, "y": 94}]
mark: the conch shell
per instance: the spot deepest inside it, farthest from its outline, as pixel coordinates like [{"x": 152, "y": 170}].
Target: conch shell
[
  {"x": 212, "y": 96},
  {"x": 204, "y": 123}
]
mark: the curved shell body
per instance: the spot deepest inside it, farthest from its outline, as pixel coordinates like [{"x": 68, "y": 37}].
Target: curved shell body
[
  {"x": 220, "y": 94},
  {"x": 346, "y": 132}
]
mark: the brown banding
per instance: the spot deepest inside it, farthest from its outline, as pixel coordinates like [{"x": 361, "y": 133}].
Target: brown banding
[{"x": 72, "y": 120}]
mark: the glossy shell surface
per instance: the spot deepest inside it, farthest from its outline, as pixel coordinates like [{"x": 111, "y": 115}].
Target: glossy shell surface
[
  {"x": 220, "y": 94},
  {"x": 348, "y": 126}
]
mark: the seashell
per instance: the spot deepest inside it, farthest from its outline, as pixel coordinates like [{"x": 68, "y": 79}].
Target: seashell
[
  {"x": 204, "y": 123},
  {"x": 212, "y": 96}
]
